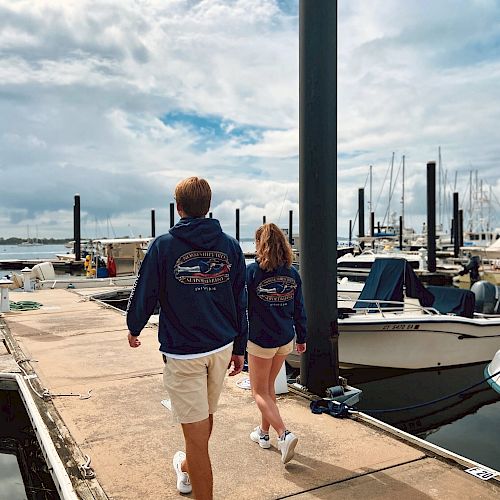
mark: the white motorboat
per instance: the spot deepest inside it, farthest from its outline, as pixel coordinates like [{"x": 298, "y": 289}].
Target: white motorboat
[
  {"x": 494, "y": 369},
  {"x": 422, "y": 338},
  {"x": 360, "y": 265},
  {"x": 122, "y": 256},
  {"x": 439, "y": 329}
]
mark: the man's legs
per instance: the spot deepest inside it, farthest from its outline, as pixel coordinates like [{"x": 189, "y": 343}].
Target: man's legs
[
  {"x": 184, "y": 465},
  {"x": 198, "y": 463},
  {"x": 195, "y": 386}
]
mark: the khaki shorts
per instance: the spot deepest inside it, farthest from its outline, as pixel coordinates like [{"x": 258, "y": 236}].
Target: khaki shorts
[
  {"x": 194, "y": 385},
  {"x": 269, "y": 352}
]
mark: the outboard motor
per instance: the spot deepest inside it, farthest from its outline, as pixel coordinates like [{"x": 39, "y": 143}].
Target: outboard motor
[
  {"x": 472, "y": 267},
  {"x": 487, "y": 297},
  {"x": 44, "y": 271}
]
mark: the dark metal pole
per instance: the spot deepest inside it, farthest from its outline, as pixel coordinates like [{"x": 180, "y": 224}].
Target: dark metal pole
[
  {"x": 361, "y": 212},
  {"x": 263, "y": 219},
  {"x": 318, "y": 190},
  {"x": 153, "y": 223},
  {"x": 401, "y": 232},
  {"x": 456, "y": 237},
  {"x": 172, "y": 213},
  {"x": 210, "y": 215},
  {"x": 238, "y": 224},
  {"x": 350, "y": 231},
  {"x": 290, "y": 227},
  {"x": 461, "y": 227},
  {"x": 76, "y": 228},
  {"x": 372, "y": 224},
  {"x": 452, "y": 232},
  {"x": 431, "y": 216}
]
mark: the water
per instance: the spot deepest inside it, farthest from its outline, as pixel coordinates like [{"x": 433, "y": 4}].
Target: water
[
  {"x": 19, "y": 252},
  {"x": 31, "y": 252},
  {"x": 23, "y": 470},
  {"x": 467, "y": 425}
]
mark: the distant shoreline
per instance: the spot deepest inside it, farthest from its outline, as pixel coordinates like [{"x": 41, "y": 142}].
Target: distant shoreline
[{"x": 41, "y": 241}]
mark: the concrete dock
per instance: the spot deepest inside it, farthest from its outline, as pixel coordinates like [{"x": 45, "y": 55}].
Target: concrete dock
[{"x": 75, "y": 345}]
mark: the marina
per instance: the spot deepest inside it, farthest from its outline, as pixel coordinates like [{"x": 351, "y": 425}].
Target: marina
[
  {"x": 74, "y": 348},
  {"x": 312, "y": 133},
  {"x": 383, "y": 389}
]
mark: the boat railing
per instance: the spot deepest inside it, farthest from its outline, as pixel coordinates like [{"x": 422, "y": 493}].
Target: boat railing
[{"x": 384, "y": 307}]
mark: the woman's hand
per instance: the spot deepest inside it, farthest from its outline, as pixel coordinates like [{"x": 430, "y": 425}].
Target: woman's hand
[{"x": 301, "y": 348}]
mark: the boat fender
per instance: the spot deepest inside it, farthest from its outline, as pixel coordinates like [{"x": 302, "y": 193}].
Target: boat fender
[{"x": 111, "y": 266}]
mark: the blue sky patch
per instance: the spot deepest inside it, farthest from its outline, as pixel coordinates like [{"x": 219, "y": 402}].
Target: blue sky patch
[{"x": 213, "y": 130}]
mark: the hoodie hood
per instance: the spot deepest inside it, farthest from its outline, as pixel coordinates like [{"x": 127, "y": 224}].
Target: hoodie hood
[{"x": 199, "y": 232}]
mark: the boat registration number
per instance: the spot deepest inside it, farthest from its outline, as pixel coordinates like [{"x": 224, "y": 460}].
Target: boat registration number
[
  {"x": 401, "y": 326},
  {"x": 481, "y": 473}
]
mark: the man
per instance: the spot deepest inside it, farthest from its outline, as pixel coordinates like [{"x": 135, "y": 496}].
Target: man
[{"x": 197, "y": 273}]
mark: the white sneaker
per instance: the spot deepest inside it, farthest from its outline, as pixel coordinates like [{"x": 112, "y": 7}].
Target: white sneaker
[
  {"x": 287, "y": 446},
  {"x": 183, "y": 482},
  {"x": 258, "y": 436}
]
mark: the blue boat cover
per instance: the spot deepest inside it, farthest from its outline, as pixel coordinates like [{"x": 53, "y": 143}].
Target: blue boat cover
[
  {"x": 453, "y": 300},
  {"x": 386, "y": 280}
]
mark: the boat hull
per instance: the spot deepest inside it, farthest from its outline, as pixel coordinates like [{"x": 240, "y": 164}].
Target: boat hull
[
  {"x": 81, "y": 282},
  {"x": 433, "y": 341},
  {"x": 492, "y": 369}
]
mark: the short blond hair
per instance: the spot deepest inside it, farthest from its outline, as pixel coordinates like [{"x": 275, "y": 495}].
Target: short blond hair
[
  {"x": 273, "y": 249},
  {"x": 193, "y": 195}
]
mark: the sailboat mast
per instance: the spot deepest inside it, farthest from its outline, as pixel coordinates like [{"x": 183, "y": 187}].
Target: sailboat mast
[
  {"x": 489, "y": 228},
  {"x": 390, "y": 192},
  {"x": 403, "y": 199},
  {"x": 371, "y": 179},
  {"x": 440, "y": 180},
  {"x": 470, "y": 201},
  {"x": 481, "y": 205}
]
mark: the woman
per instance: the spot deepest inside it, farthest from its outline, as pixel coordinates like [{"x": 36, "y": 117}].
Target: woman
[{"x": 276, "y": 314}]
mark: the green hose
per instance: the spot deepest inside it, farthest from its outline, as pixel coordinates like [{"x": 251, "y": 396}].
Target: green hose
[{"x": 24, "y": 305}]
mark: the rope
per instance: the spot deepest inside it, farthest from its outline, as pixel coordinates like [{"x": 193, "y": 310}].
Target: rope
[
  {"x": 46, "y": 395},
  {"x": 340, "y": 410},
  {"x": 24, "y": 305}
]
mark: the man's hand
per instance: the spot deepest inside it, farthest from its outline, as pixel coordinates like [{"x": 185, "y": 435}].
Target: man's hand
[
  {"x": 133, "y": 340},
  {"x": 237, "y": 362},
  {"x": 301, "y": 348}
]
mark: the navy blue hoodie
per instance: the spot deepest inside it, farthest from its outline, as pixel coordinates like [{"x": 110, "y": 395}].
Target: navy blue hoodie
[
  {"x": 275, "y": 306},
  {"x": 197, "y": 272}
]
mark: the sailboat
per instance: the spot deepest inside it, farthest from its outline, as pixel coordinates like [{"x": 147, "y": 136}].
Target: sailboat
[{"x": 31, "y": 242}]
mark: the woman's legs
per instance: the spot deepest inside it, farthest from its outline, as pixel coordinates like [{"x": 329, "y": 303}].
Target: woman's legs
[{"x": 263, "y": 373}]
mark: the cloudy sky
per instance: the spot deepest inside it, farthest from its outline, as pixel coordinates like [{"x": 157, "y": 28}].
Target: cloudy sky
[{"x": 119, "y": 100}]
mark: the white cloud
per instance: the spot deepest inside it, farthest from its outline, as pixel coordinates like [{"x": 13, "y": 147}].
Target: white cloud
[{"x": 85, "y": 87}]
